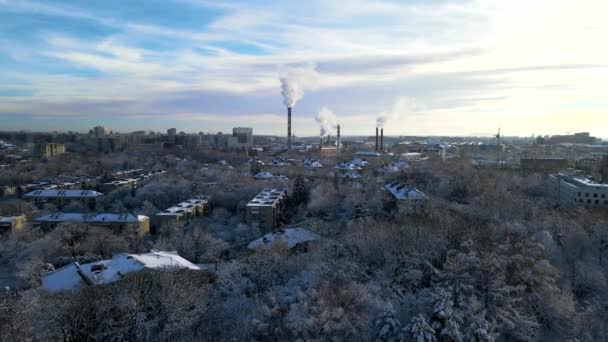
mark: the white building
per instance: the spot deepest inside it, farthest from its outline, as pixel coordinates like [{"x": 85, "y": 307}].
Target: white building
[
  {"x": 571, "y": 191},
  {"x": 75, "y": 276}
]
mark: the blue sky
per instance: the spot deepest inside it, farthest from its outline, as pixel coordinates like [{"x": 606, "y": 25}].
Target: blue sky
[{"x": 441, "y": 67}]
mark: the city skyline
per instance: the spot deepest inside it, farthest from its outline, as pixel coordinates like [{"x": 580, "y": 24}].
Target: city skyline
[{"x": 431, "y": 67}]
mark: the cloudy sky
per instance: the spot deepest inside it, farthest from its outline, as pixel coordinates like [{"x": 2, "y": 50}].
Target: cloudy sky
[{"x": 428, "y": 67}]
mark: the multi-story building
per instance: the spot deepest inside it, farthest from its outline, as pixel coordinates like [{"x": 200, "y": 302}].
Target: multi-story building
[
  {"x": 11, "y": 224},
  {"x": 241, "y": 138},
  {"x": 117, "y": 222},
  {"x": 88, "y": 198},
  {"x": 543, "y": 165},
  {"x": 265, "y": 209},
  {"x": 171, "y": 133},
  {"x": 99, "y": 131},
  {"x": 603, "y": 169},
  {"x": 244, "y": 136},
  {"x": 182, "y": 212},
  {"x": 46, "y": 151},
  {"x": 572, "y": 191}
]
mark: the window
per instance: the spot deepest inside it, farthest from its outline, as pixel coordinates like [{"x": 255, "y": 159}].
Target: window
[
  {"x": 579, "y": 193},
  {"x": 597, "y": 201},
  {"x": 586, "y": 194},
  {"x": 595, "y": 195},
  {"x": 588, "y": 201},
  {"x": 603, "y": 195}
]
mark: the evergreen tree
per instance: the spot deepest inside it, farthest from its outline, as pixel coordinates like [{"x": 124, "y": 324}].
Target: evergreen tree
[
  {"x": 388, "y": 327},
  {"x": 420, "y": 331}
]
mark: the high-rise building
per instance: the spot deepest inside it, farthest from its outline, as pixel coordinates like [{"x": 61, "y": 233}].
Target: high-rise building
[
  {"x": 99, "y": 131},
  {"x": 244, "y": 136},
  {"x": 46, "y": 151},
  {"x": 171, "y": 132}
]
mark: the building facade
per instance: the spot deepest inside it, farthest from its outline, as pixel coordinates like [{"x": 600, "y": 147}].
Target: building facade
[
  {"x": 88, "y": 198},
  {"x": 266, "y": 209},
  {"x": 181, "y": 213},
  {"x": 47, "y": 151},
  {"x": 11, "y": 224},
  {"x": 570, "y": 191},
  {"x": 117, "y": 222}
]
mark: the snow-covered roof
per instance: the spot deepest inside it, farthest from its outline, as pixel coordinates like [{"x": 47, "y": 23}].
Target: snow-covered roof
[
  {"x": 268, "y": 197},
  {"x": 63, "y": 193},
  {"x": 92, "y": 217},
  {"x": 279, "y": 162},
  {"x": 359, "y": 162},
  {"x": 312, "y": 163},
  {"x": 186, "y": 206},
  {"x": 367, "y": 153},
  {"x": 347, "y": 166},
  {"x": 290, "y": 236},
  {"x": 74, "y": 276},
  {"x": 402, "y": 191},
  {"x": 263, "y": 175},
  {"x": 9, "y": 219}
]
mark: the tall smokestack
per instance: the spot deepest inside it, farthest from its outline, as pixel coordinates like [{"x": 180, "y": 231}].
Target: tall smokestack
[
  {"x": 381, "y": 139},
  {"x": 338, "y": 142},
  {"x": 328, "y": 140},
  {"x": 376, "y": 138},
  {"x": 289, "y": 128}
]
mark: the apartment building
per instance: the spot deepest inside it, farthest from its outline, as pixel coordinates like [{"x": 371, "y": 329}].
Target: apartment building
[
  {"x": 47, "y": 151},
  {"x": 265, "y": 209},
  {"x": 88, "y": 198},
  {"x": 117, "y": 222},
  {"x": 182, "y": 212}
]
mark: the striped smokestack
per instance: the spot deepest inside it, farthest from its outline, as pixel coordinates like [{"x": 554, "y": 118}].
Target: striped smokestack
[
  {"x": 289, "y": 128},
  {"x": 376, "y": 138},
  {"x": 381, "y": 139},
  {"x": 338, "y": 142}
]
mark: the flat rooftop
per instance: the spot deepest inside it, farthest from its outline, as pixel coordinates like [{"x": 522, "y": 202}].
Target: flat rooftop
[
  {"x": 267, "y": 198},
  {"x": 48, "y": 193},
  {"x": 92, "y": 217},
  {"x": 185, "y": 206}
]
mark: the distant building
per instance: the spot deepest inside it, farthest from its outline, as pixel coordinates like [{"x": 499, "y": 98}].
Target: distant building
[
  {"x": 405, "y": 194},
  {"x": 182, "y": 212},
  {"x": 99, "y": 131},
  {"x": 75, "y": 276},
  {"x": 576, "y": 138},
  {"x": 11, "y": 224},
  {"x": 543, "y": 165},
  {"x": 88, "y": 198},
  {"x": 47, "y": 151},
  {"x": 571, "y": 191},
  {"x": 117, "y": 222},
  {"x": 266, "y": 209},
  {"x": 171, "y": 133},
  {"x": 244, "y": 136}
]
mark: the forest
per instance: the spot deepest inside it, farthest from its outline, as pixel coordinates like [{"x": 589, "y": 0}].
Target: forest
[{"x": 487, "y": 258}]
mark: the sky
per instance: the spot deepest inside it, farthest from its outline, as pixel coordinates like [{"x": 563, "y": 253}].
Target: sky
[{"x": 425, "y": 67}]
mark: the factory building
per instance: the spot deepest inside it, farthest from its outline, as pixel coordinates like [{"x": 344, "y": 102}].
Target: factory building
[
  {"x": 571, "y": 191},
  {"x": 265, "y": 210},
  {"x": 117, "y": 222}
]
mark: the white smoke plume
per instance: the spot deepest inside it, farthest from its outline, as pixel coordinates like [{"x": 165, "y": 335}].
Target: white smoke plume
[
  {"x": 401, "y": 106},
  {"x": 326, "y": 120},
  {"x": 295, "y": 81}
]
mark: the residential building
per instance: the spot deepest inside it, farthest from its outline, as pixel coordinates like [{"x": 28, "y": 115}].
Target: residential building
[
  {"x": 117, "y": 222},
  {"x": 75, "y": 276},
  {"x": 266, "y": 209},
  {"x": 99, "y": 131},
  {"x": 244, "y": 136},
  {"x": 404, "y": 193},
  {"x": 572, "y": 191},
  {"x": 47, "y": 151},
  {"x": 603, "y": 169},
  {"x": 182, "y": 212},
  {"x": 11, "y": 224},
  {"x": 88, "y": 198}
]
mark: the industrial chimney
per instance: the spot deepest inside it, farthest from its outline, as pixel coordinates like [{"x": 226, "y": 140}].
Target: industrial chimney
[
  {"x": 382, "y": 139},
  {"x": 289, "y": 128},
  {"x": 376, "y": 138},
  {"x": 338, "y": 142}
]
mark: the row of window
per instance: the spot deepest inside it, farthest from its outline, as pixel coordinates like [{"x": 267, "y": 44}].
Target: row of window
[
  {"x": 595, "y": 195},
  {"x": 580, "y": 200}
]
